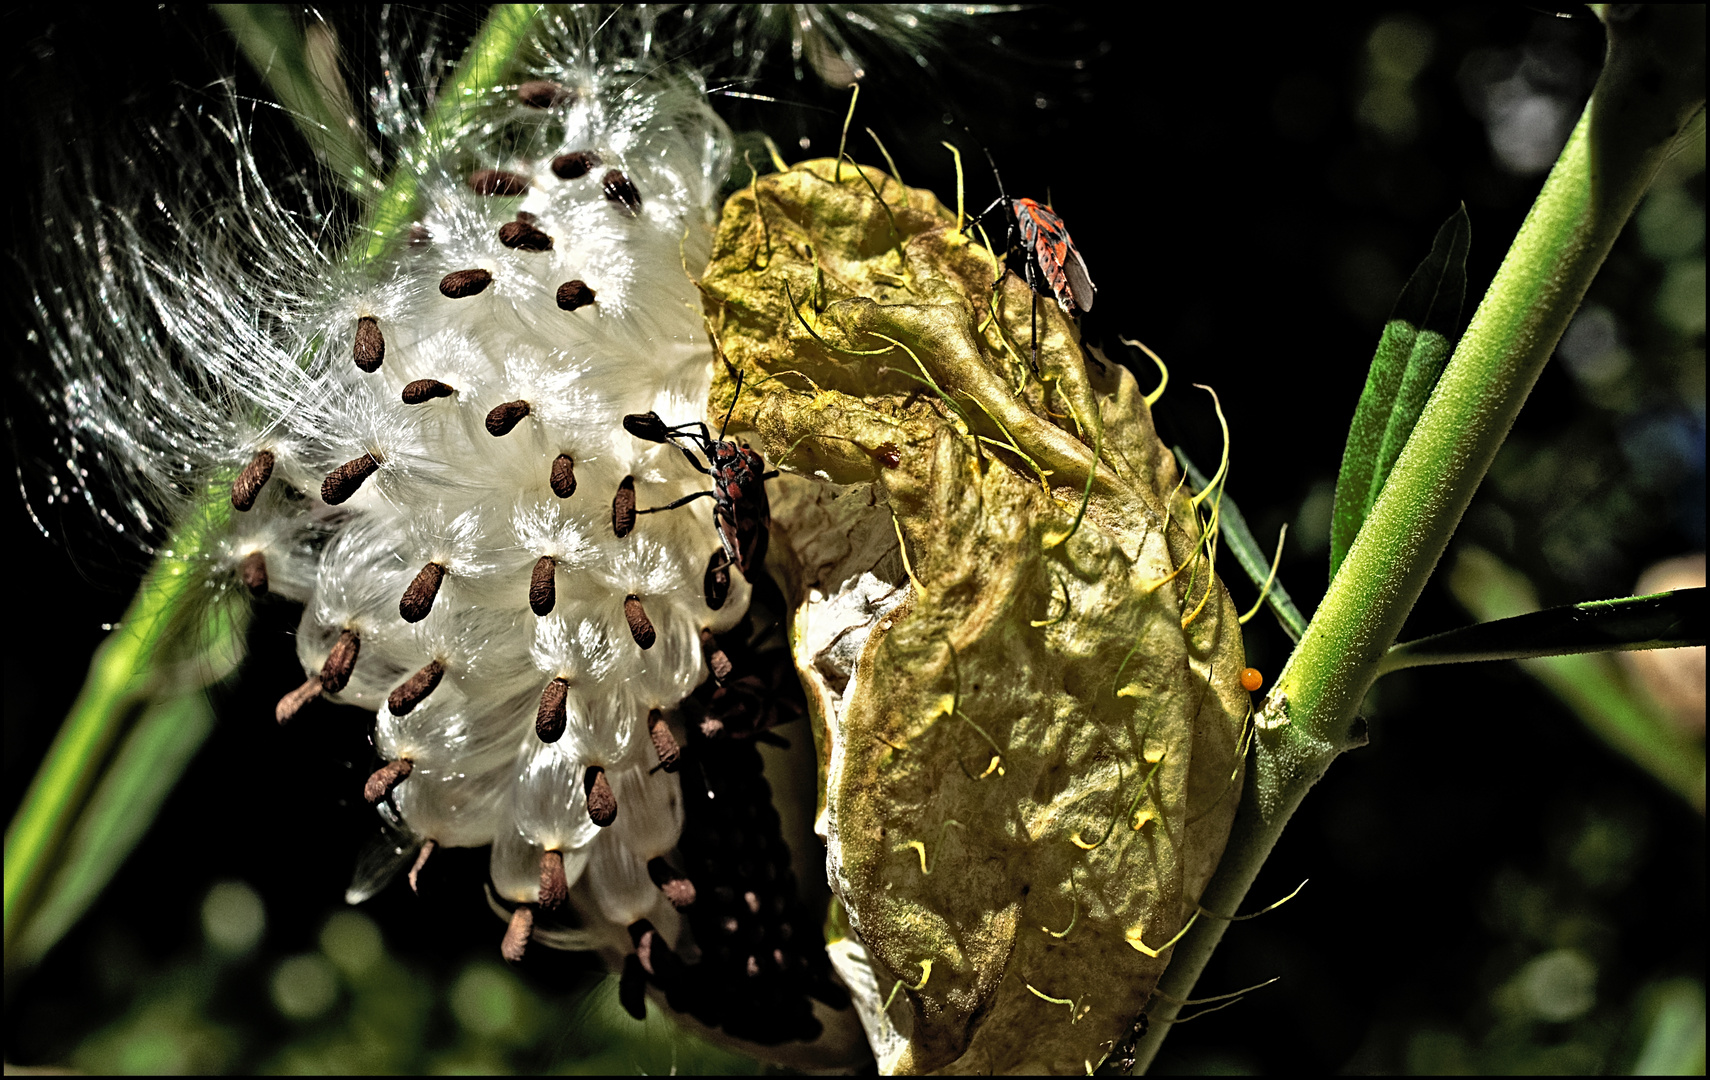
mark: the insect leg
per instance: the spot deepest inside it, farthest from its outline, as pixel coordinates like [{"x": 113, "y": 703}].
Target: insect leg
[
  {"x": 1033, "y": 333},
  {"x": 695, "y": 461},
  {"x": 680, "y": 502}
]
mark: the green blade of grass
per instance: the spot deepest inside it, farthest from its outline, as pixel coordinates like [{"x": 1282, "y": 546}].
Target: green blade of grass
[{"x": 1410, "y": 356}]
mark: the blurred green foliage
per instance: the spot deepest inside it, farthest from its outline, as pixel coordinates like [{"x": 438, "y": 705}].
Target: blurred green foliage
[{"x": 239, "y": 1001}]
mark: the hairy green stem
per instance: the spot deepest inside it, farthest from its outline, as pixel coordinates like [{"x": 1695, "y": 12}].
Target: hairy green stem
[{"x": 1651, "y": 88}]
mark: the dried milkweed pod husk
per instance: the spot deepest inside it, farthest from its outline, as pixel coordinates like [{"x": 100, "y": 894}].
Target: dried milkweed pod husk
[{"x": 1023, "y": 672}]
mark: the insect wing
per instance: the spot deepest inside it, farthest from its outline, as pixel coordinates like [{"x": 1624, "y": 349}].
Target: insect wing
[
  {"x": 1081, "y": 288},
  {"x": 743, "y": 513}
]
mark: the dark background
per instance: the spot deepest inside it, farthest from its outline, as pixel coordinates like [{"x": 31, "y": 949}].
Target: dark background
[{"x": 1249, "y": 189}]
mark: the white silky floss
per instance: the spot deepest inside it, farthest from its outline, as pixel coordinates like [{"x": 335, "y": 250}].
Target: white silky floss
[{"x": 360, "y": 478}]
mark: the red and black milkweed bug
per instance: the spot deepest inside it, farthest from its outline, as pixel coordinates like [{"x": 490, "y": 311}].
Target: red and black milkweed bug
[
  {"x": 1049, "y": 257},
  {"x": 740, "y": 510}
]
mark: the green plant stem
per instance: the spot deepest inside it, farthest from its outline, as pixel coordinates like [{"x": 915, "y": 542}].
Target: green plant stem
[
  {"x": 1651, "y": 87},
  {"x": 484, "y": 65}
]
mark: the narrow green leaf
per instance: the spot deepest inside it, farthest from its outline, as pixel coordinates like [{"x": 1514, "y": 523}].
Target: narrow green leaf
[
  {"x": 1248, "y": 553},
  {"x": 1431, "y": 347},
  {"x": 124, "y": 803},
  {"x": 1415, "y": 344},
  {"x": 1669, "y": 620},
  {"x": 1613, "y": 707}
]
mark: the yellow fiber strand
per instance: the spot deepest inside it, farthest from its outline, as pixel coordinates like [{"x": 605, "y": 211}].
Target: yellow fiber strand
[
  {"x": 1264, "y": 910},
  {"x": 925, "y": 974},
  {"x": 854, "y": 96},
  {"x": 1134, "y": 938},
  {"x": 903, "y": 547},
  {"x": 1163, "y": 370},
  {"x": 892, "y": 165},
  {"x": 1038, "y": 623},
  {"x": 1042, "y": 996},
  {"x": 1074, "y": 912},
  {"x": 1276, "y": 560},
  {"x": 920, "y": 849},
  {"x": 961, "y": 211},
  {"x": 1223, "y": 465}
]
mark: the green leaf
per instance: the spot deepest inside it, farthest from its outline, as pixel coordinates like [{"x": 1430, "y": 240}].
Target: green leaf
[
  {"x": 1669, "y": 620},
  {"x": 144, "y": 771},
  {"x": 1248, "y": 552},
  {"x": 1614, "y": 707},
  {"x": 1410, "y": 356}
]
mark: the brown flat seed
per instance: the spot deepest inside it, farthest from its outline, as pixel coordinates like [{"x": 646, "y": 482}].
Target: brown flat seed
[
  {"x": 253, "y": 572},
  {"x": 420, "y": 235},
  {"x": 385, "y": 778},
  {"x": 543, "y": 585},
  {"x": 410, "y": 693},
  {"x": 517, "y": 934},
  {"x": 554, "y": 889},
  {"x": 497, "y": 182},
  {"x": 250, "y": 481},
  {"x": 527, "y": 218},
  {"x": 677, "y": 888},
  {"x": 563, "y": 479},
  {"x": 343, "y": 481},
  {"x": 296, "y": 699},
  {"x": 543, "y": 94},
  {"x": 640, "y": 626},
  {"x": 524, "y": 237},
  {"x": 664, "y": 743},
  {"x": 574, "y": 164},
  {"x": 717, "y": 661},
  {"x": 421, "y": 861},
  {"x": 621, "y": 190},
  {"x": 460, "y": 283},
  {"x": 335, "y": 673},
  {"x": 418, "y": 598},
  {"x": 550, "y": 721},
  {"x": 716, "y": 585},
  {"x": 602, "y": 801},
  {"x": 426, "y": 390},
  {"x": 623, "y": 507},
  {"x": 505, "y": 417},
  {"x": 575, "y": 294},
  {"x": 370, "y": 348}
]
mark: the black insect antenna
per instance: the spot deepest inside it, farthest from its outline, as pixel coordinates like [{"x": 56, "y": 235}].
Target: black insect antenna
[
  {"x": 1003, "y": 196},
  {"x": 998, "y": 176},
  {"x": 727, "y": 412}
]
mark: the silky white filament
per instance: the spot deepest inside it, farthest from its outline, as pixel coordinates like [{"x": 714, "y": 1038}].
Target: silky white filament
[{"x": 429, "y": 447}]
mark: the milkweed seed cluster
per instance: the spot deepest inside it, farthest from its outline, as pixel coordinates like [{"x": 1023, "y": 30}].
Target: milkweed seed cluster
[{"x": 426, "y": 450}]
